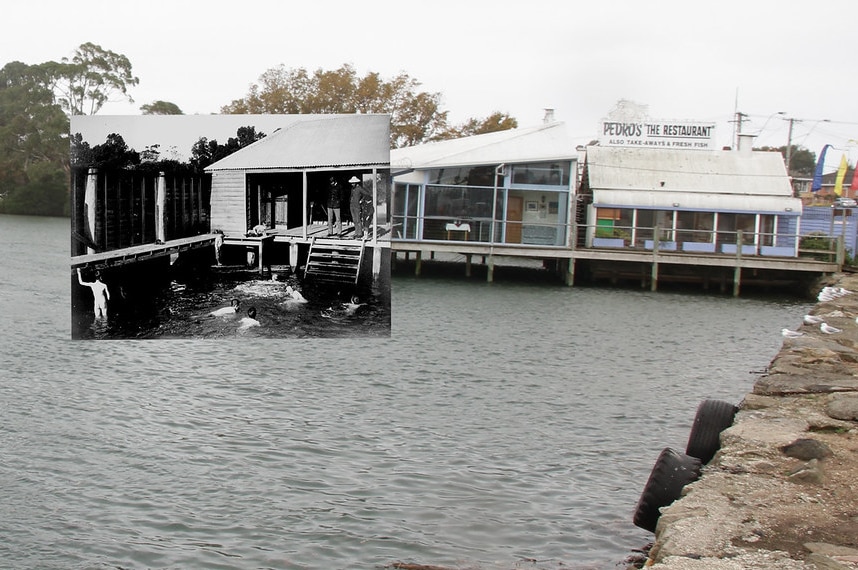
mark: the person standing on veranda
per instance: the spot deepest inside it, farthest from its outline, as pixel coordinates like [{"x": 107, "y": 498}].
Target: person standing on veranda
[
  {"x": 354, "y": 206},
  {"x": 334, "y": 206}
]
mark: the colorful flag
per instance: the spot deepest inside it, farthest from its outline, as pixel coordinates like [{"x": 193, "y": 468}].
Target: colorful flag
[
  {"x": 854, "y": 186},
  {"x": 817, "y": 174},
  {"x": 841, "y": 174}
]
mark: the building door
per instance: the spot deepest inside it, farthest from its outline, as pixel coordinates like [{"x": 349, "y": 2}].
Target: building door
[{"x": 514, "y": 208}]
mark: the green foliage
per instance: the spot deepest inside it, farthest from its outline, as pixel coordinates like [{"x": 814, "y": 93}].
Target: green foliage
[
  {"x": 84, "y": 83},
  {"x": 415, "y": 115},
  {"x": 802, "y": 162},
  {"x": 497, "y": 121},
  {"x": 611, "y": 232},
  {"x": 33, "y": 143},
  {"x": 817, "y": 241},
  {"x": 44, "y": 193},
  {"x": 161, "y": 108}
]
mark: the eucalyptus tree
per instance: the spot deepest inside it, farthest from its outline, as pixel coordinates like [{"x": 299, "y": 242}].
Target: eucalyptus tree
[{"x": 92, "y": 77}]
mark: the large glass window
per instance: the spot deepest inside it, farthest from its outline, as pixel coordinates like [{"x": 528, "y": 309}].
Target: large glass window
[
  {"x": 405, "y": 204},
  {"x": 459, "y": 202},
  {"x": 614, "y": 223},
  {"x": 730, "y": 224},
  {"x": 541, "y": 173},
  {"x": 648, "y": 220},
  {"x": 695, "y": 226},
  {"x": 536, "y": 217},
  {"x": 458, "y": 205},
  {"x": 767, "y": 229},
  {"x": 465, "y": 176}
]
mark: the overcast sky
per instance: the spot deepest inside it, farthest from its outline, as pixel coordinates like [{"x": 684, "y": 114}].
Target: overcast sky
[{"x": 683, "y": 59}]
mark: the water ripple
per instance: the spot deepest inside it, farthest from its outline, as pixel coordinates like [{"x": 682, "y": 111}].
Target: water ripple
[{"x": 499, "y": 423}]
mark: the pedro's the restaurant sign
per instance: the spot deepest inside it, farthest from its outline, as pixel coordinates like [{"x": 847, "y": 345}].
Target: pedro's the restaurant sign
[{"x": 658, "y": 134}]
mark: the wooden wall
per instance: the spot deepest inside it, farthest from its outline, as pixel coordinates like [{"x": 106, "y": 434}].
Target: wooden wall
[{"x": 228, "y": 202}]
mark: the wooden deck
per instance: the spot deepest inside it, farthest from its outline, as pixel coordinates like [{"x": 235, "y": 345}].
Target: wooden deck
[
  {"x": 652, "y": 259},
  {"x": 296, "y": 235},
  {"x": 141, "y": 252}
]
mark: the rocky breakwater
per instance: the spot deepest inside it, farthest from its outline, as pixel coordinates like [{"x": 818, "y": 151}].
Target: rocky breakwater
[{"x": 782, "y": 491}]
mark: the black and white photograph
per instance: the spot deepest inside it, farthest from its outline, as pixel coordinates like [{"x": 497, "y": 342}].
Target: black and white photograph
[{"x": 277, "y": 227}]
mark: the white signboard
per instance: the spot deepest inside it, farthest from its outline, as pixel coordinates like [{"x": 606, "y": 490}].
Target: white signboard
[{"x": 658, "y": 134}]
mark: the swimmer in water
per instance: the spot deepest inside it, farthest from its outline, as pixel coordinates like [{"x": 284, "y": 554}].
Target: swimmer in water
[
  {"x": 227, "y": 311},
  {"x": 294, "y": 294},
  {"x": 249, "y": 320},
  {"x": 353, "y": 306},
  {"x": 100, "y": 294}
]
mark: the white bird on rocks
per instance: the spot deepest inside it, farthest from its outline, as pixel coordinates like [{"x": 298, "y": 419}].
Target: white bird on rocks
[
  {"x": 812, "y": 320},
  {"x": 831, "y": 293},
  {"x": 791, "y": 334},
  {"x": 828, "y": 329}
]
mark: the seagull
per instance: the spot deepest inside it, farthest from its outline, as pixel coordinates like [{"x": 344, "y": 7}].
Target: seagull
[
  {"x": 828, "y": 329},
  {"x": 791, "y": 334},
  {"x": 812, "y": 320},
  {"x": 831, "y": 293}
]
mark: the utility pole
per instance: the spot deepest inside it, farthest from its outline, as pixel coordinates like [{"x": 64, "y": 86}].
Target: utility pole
[
  {"x": 740, "y": 116},
  {"x": 789, "y": 143}
]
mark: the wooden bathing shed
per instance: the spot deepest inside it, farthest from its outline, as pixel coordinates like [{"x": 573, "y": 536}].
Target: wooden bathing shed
[{"x": 271, "y": 197}]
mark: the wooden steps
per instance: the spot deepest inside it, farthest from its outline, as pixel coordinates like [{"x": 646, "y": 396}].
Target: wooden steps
[{"x": 334, "y": 260}]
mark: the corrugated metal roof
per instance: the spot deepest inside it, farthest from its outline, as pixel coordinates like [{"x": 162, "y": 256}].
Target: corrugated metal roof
[
  {"x": 730, "y": 173},
  {"x": 316, "y": 141},
  {"x": 710, "y": 202},
  {"x": 544, "y": 142}
]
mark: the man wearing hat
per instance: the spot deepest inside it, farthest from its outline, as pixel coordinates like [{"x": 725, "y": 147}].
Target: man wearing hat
[
  {"x": 334, "y": 206},
  {"x": 354, "y": 206}
]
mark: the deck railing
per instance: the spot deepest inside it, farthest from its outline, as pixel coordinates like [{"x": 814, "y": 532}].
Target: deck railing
[{"x": 636, "y": 238}]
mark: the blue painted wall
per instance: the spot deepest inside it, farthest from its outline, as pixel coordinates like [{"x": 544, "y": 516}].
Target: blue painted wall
[{"x": 823, "y": 220}]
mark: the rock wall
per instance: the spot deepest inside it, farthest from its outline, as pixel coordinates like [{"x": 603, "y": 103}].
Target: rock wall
[{"x": 782, "y": 492}]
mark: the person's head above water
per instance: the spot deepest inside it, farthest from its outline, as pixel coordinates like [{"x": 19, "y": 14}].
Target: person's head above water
[
  {"x": 251, "y": 312},
  {"x": 235, "y": 303}
]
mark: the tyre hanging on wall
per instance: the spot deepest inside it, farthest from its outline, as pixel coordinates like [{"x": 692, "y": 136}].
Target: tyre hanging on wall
[
  {"x": 672, "y": 471},
  {"x": 713, "y": 417}
]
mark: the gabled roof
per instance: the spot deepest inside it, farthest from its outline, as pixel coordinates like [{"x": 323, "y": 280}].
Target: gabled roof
[
  {"x": 702, "y": 171},
  {"x": 544, "y": 142},
  {"x": 740, "y": 181},
  {"x": 316, "y": 141}
]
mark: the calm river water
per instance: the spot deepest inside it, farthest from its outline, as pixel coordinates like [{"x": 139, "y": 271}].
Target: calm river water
[{"x": 500, "y": 426}]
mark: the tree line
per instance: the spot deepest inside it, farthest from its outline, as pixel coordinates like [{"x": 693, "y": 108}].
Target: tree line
[{"x": 36, "y": 101}]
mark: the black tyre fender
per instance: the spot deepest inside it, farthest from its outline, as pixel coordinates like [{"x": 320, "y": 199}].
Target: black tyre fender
[
  {"x": 713, "y": 417},
  {"x": 672, "y": 471}
]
